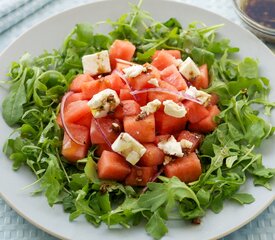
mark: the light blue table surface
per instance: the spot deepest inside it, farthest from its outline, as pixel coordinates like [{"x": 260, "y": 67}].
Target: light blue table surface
[{"x": 16, "y": 17}]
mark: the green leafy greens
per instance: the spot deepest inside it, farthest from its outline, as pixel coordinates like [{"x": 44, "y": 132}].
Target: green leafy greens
[{"x": 228, "y": 154}]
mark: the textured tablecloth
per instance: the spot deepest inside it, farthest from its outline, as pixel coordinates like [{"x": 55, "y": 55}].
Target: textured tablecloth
[{"x": 12, "y": 226}]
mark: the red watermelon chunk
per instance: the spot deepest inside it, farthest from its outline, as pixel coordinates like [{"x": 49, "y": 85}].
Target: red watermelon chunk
[
  {"x": 201, "y": 81},
  {"x": 186, "y": 168},
  {"x": 163, "y": 60},
  {"x": 194, "y": 138},
  {"x": 207, "y": 124},
  {"x": 77, "y": 110},
  {"x": 73, "y": 151},
  {"x": 89, "y": 89},
  {"x": 130, "y": 107},
  {"x": 107, "y": 127},
  {"x": 142, "y": 130},
  {"x": 166, "y": 124},
  {"x": 116, "y": 83},
  {"x": 195, "y": 111},
  {"x": 112, "y": 166},
  {"x": 164, "y": 95},
  {"x": 175, "y": 53},
  {"x": 121, "y": 49},
  {"x": 171, "y": 75},
  {"x": 75, "y": 86},
  {"x": 152, "y": 157},
  {"x": 140, "y": 176}
]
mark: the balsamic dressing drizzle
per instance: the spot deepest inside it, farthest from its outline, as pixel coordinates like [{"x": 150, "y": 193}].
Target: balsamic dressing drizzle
[{"x": 262, "y": 11}]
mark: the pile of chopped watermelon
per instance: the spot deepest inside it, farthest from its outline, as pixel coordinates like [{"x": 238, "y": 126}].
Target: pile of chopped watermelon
[{"x": 145, "y": 119}]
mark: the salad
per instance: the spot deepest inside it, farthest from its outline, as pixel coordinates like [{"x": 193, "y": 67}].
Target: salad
[{"x": 150, "y": 121}]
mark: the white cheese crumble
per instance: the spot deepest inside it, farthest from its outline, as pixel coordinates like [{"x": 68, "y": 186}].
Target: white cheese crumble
[
  {"x": 103, "y": 102},
  {"x": 154, "y": 81},
  {"x": 128, "y": 147},
  {"x": 150, "y": 107},
  {"x": 189, "y": 69},
  {"x": 134, "y": 71},
  {"x": 173, "y": 109},
  {"x": 167, "y": 159},
  {"x": 178, "y": 62},
  {"x": 171, "y": 147},
  {"x": 96, "y": 63},
  {"x": 202, "y": 96},
  {"x": 186, "y": 143}
]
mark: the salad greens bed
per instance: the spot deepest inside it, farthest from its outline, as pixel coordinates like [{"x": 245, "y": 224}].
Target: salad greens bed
[{"x": 228, "y": 154}]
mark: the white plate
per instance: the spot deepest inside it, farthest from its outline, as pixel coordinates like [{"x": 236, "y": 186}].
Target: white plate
[{"x": 50, "y": 34}]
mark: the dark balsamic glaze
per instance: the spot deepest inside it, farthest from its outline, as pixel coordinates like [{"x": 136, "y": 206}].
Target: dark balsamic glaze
[{"x": 262, "y": 11}]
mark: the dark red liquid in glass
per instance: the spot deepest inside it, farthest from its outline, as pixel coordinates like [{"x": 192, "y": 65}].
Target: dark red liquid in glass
[{"x": 262, "y": 11}]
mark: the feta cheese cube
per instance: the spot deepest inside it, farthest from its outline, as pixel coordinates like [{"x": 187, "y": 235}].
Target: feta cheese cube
[
  {"x": 133, "y": 157},
  {"x": 189, "y": 69},
  {"x": 186, "y": 143},
  {"x": 103, "y": 102},
  {"x": 96, "y": 63},
  {"x": 128, "y": 147},
  {"x": 173, "y": 109},
  {"x": 178, "y": 62},
  {"x": 154, "y": 81},
  {"x": 134, "y": 70},
  {"x": 150, "y": 107},
  {"x": 171, "y": 147},
  {"x": 202, "y": 96},
  {"x": 167, "y": 159}
]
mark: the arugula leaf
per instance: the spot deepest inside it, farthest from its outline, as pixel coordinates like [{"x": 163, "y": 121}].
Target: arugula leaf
[
  {"x": 52, "y": 180},
  {"x": 48, "y": 87},
  {"x": 156, "y": 226},
  {"x": 84, "y": 31},
  {"x": 201, "y": 56},
  {"x": 82, "y": 207},
  {"x": 243, "y": 198},
  {"x": 248, "y": 68},
  {"x": 222, "y": 46},
  {"x": 166, "y": 194},
  {"x": 78, "y": 181},
  {"x": 13, "y": 103},
  {"x": 90, "y": 170}
]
